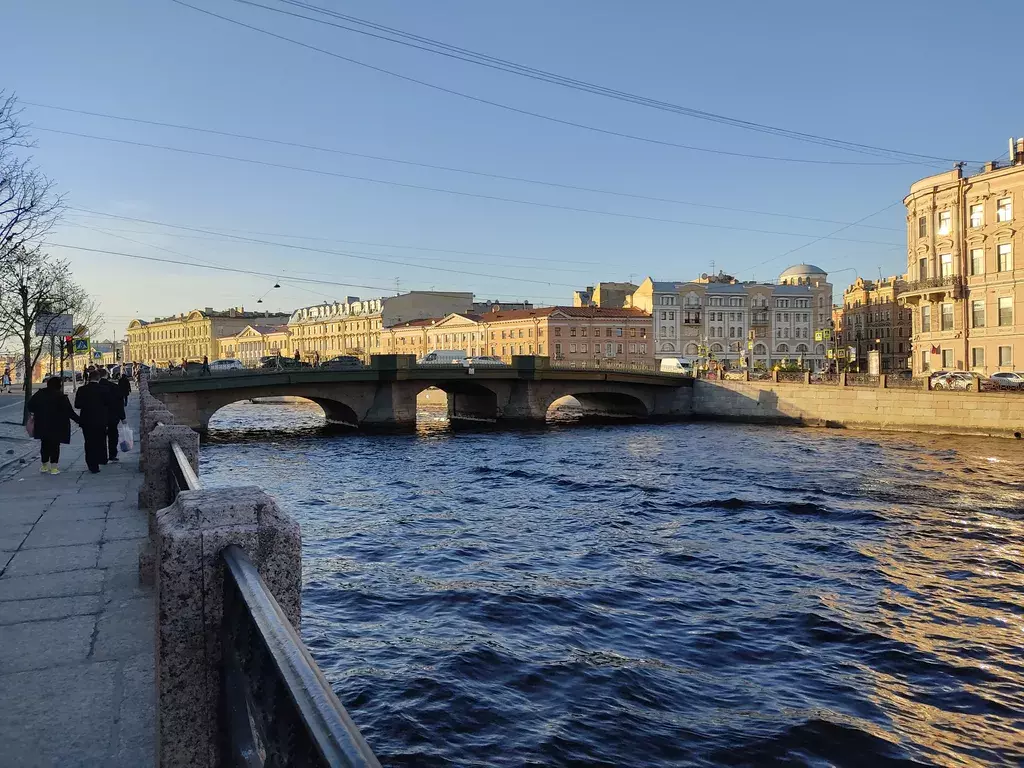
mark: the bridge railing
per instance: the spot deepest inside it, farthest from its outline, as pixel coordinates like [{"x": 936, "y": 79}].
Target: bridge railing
[
  {"x": 605, "y": 365},
  {"x": 275, "y": 706}
]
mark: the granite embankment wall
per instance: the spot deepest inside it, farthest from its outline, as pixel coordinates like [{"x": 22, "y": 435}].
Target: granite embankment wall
[{"x": 978, "y": 413}]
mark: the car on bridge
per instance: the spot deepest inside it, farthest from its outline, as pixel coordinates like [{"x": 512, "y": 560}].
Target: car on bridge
[
  {"x": 443, "y": 357},
  {"x": 228, "y": 364},
  {"x": 483, "y": 361},
  {"x": 342, "y": 363},
  {"x": 280, "y": 363}
]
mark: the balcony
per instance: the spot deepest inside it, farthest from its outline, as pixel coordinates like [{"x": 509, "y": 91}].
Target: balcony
[{"x": 935, "y": 288}]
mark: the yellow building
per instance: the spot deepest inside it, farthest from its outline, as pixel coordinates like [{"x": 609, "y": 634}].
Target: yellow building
[
  {"x": 965, "y": 264},
  {"x": 255, "y": 342},
  {"x": 188, "y": 337},
  {"x": 872, "y": 319}
]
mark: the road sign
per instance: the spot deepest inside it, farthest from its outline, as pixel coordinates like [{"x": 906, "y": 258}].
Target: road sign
[
  {"x": 851, "y": 352},
  {"x": 80, "y": 346},
  {"x": 55, "y": 325},
  {"x": 830, "y": 353},
  {"x": 840, "y": 353},
  {"x": 817, "y": 336},
  {"x": 750, "y": 344}
]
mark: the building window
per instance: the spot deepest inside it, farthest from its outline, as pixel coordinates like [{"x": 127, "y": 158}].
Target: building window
[
  {"x": 977, "y": 314},
  {"x": 1004, "y": 252},
  {"x": 558, "y": 350},
  {"x": 1006, "y": 310},
  {"x": 607, "y": 332},
  {"x": 618, "y": 349},
  {"x": 946, "y": 264},
  {"x": 1005, "y": 357},
  {"x": 1004, "y": 209},
  {"x": 632, "y": 332},
  {"x": 572, "y": 347},
  {"x": 926, "y": 360},
  {"x": 977, "y": 216},
  {"x": 922, "y": 226},
  {"x": 947, "y": 358},
  {"x": 664, "y": 315},
  {"x": 671, "y": 316},
  {"x": 608, "y": 347},
  {"x": 947, "y": 317},
  {"x": 944, "y": 223},
  {"x": 977, "y": 261},
  {"x": 643, "y": 349},
  {"x": 922, "y": 269},
  {"x": 584, "y": 332},
  {"x": 926, "y": 318},
  {"x": 572, "y": 331},
  {"x": 977, "y": 357},
  {"x": 558, "y": 332},
  {"x": 583, "y": 348}
]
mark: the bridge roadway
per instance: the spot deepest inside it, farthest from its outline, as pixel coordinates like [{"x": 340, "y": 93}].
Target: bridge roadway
[{"x": 383, "y": 395}]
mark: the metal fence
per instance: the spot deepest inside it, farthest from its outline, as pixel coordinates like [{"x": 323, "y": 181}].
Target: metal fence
[
  {"x": 735, "y": 375},
  {"x": 605, "y": 365},
  {"x": 904, "y": 382},
  {"x": 830, "y": 379},
  {"x": 791, "y": 377},
  {"x": 279, "y": 709},
  {"x": 862, "y": 380}
]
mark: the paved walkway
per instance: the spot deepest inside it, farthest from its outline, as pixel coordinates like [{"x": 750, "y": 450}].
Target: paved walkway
[{"x": 76, "y": 628}]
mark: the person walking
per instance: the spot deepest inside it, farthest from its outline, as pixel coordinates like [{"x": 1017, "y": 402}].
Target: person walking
[
  {"x": 297, "y": 358},
  {"x": 91, "y": 402},
  {"x": 124, "y": 386},
  {"x": 52, "y": 415},
  {"x": 206, "y": 366},
  {"x": 5, "y": 382},
  {"x": 115, "y": 412}
]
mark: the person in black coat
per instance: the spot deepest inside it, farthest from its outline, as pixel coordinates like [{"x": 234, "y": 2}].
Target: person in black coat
[
  {"x": 115, "y": 412},
  {"x": 52, "y": 415},
  {"x": 91, "y": 402},
  {"x": 124, "y": 385}
]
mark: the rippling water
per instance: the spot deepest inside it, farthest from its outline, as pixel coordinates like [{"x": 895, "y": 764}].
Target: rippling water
[{"x": 656, "y": 595}]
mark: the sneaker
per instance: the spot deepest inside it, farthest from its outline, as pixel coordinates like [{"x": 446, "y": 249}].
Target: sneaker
[
  {"x": 54, "y": 470},
  {"x": 114, "y": 458},
  {"x": 45, "y": 468}
]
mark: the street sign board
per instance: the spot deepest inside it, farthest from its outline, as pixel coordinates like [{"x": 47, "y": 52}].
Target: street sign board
[
  {"x": 80, "y": 346},
  {"x": 851, "y": 352},
  {"x": 750, "y": 344},
  {"x": 54, "y": 325},
  {"x": 817, "y": 336},
  {"x": 840, "y": 353}
]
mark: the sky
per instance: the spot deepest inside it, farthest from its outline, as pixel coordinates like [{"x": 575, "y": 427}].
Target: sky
[{"x": 859, "y": 72}]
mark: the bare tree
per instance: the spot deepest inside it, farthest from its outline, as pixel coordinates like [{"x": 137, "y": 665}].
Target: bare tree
[
  {"x": 33, "y": 288},
  {"x": 29, "y": 204}
]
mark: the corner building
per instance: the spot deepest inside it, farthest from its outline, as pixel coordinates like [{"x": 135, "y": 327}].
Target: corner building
[{"x": 965, "y": 268}]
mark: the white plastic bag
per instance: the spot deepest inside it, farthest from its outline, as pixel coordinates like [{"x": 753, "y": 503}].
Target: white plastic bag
[{"x": 125, "y": 438}]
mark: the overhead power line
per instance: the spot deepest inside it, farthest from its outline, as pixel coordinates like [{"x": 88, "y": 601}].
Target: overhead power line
[
  {"x": 399, "y": 161},
  {"x": 460, "y": 193},
  {"x": 529, "y": 113},
  {"x": 400, "y": 37}
]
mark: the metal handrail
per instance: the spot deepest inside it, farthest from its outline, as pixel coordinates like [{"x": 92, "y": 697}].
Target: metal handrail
[
  {"x": 294, "y": 718},
  {"x": 184, "y": 476}
]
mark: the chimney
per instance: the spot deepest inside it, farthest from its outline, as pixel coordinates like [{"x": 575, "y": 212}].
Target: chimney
[
  {"x": 1019, "y": 154},
  {"x": 989, "y": 166},
  {"x": 208, "y": 310}
]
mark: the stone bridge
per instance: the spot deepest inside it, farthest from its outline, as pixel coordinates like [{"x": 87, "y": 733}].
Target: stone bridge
[{"x": 383, "y": 395}]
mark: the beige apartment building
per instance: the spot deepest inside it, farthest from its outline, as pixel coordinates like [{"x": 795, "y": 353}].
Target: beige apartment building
[
  {"x": 582, "y": 334},
  {"x": 188, "y": 337},
  {"x": 609, "y": 295},
  {"x": 965, "y": 263},
  {"x": 255, "y": 342},
  {"x": 759, "y": 324},
  {"x": 873, "y": 319},
  {"x": 354, "y": 326}
]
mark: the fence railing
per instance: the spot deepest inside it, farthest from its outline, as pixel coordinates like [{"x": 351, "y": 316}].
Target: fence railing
[
  {"x": 933, "y": 282},
  {"x": 791, "y": 376},
  {"x": 605, "y": 365},
  {"x": 182, "y": 476},
  {"x": 829, "y": 379},
  {"x": 905, "y": 382},
  {"x": 862, "y": 380},
  {"x": 291, "y": 717}
]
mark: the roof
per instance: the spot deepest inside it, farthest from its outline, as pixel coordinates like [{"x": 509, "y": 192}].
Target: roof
[
  {"x": 581, "y": 312},
  {"x": 265, "y": 329},
  {"x": 415, "y": 323},
  {"x": 801, "y": 270},
  {"x": 726, "y": 288},
  {"x": 804, "y": 290}
]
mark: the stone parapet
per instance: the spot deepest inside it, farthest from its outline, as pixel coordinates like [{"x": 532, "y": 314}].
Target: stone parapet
[
  {"x": 156, "y": 491},
  {"x": 190, "y": 536}
]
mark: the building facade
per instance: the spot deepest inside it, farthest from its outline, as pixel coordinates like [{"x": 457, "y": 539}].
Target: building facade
[
  {"x": 582, "y": 334},
  {"x": 608, "y": 295},
  {"x": 188, "y": 337},
  {"x": 757, "y": 323},
  {"x": 873, "y": 319},
  {"x": 965, "y": 265},
  {"x": 255, "y": 342},
  {"x": 353, "y": 327}
]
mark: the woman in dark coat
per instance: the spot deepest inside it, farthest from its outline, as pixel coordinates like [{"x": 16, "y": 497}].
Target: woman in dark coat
[
  {"x": 124, "y": 385},
  {"x": 52, "y": 414}
]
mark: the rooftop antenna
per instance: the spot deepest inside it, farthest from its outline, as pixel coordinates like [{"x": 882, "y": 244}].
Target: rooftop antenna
[{"x": 398, "y": 285}]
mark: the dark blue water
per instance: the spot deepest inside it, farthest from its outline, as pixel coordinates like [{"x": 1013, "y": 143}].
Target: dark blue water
[{"x": 656, "y": 595}]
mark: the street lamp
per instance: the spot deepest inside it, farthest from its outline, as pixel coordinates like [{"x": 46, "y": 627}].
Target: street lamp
[{"x": 260, "y": 299}]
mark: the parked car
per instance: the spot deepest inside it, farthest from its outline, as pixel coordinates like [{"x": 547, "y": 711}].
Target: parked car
[
  {"x": 443, "y": 357},
  {"x": 1007, "y": 380},
  {"x": 343, "y": 362},
  {"x": 954, "y": 380},
  {"x": 278, "y": 363},
  {"x": 483, "y": 361},
  {"x": 228, "y": 364}
]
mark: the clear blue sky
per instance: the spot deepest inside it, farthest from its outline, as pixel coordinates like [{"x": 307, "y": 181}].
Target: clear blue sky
[{"x": 863, "y": 72}]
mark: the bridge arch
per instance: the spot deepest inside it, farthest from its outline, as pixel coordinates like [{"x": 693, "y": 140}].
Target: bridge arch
[
  {"x": 468, "y": 401},
  {"x": 599, "y": 405},
  {"x": 334, "y": 411}
]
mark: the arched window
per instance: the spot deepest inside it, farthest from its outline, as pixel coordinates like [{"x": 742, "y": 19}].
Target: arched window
[
  {"x": 782, "y": 348},
  {"x": 716, "y": 347},
  {"x": 801, "y": 349},
  {"x": 666, "y": 347},
  {"x": 820, "y": 350},
  {"x": 759, "y": 349},
  {"x": 691, "y": 349}
]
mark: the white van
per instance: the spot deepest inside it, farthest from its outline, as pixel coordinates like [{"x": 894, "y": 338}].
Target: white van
[
  {"x": 443, "y": 357},
  {"x": 680, "y": 365}
]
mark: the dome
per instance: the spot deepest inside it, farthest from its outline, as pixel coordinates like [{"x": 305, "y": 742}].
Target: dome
[{"x": 803, "y": 270}]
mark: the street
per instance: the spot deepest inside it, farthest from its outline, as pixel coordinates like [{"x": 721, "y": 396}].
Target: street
[{"x": 9, "y": 405}]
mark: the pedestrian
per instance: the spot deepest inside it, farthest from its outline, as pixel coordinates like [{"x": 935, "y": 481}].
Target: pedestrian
[
  {"x": 124, "y": 385},
  {"x": 297, "y": 358},
  {"x": 316, "y": 359},
  {"x": 206, "y": 366},
  {"x": 52, "y": 415},
  {"x": 115, "y": 412},
  {"x": 5, "y": 382},
  {"x": 91, "y": 402}
]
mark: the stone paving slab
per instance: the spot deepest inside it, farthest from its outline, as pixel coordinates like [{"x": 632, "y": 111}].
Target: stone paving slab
[{"x": 77, "y": 637}]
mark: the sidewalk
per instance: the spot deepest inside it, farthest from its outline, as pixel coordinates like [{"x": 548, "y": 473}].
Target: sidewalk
[{"x": 76, "y": 629}]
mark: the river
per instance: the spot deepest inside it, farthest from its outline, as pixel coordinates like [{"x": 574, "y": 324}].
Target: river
[{"x": 655, "y": 595}]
